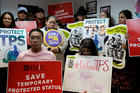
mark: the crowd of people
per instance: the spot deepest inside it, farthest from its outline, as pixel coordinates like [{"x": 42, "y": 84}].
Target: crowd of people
[{"x": 123, "y": 81}]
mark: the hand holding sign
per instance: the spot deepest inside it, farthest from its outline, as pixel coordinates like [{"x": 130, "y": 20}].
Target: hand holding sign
[{"x": 55, "y": 50}]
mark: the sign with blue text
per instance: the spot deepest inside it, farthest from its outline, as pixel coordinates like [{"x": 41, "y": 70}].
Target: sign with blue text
[
  {"x": 12, "y": 42},
  {"x": 95, "y": 28}
]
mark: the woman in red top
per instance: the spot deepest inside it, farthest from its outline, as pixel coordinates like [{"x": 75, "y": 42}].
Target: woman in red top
[{"x": 40, "y": 18}]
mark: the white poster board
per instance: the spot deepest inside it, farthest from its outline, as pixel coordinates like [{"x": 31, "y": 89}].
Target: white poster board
[
  {"x": 76, "y": 35},
  {"x": 12, "y": 42},
  {"x": 113, "y": 45},
  {"x": 90, "y": 73},
  {"x": 95, "y": 28}
]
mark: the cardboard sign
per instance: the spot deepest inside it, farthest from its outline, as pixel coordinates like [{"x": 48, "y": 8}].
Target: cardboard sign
[
  {"x": 113, "y": 45},
  {"x": 95, "y": 28},
  {"x": 53, "y": 38},
  {"x": 28, "y": 25},
  {"x": 63, "y": 11},
  {"x": 34, "y": 77},
  {"x": 134, "y": 39},
  {"x": 90, "y": 73},
  {"x": 13, "y": 41},
  {"x": 76, "y": 35}
]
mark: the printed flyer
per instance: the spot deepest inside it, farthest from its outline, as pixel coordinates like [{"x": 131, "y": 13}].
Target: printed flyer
[
  {"x": 113, "y": 45},
  {"x": 13, "y": 41},
  {"x": 34, "y": 77},
  {"x": 63, "y": 11},
  {"x": 134, "y": 38},
  {"x": 76, "y": 35},
  {"x": 28, "y": 25},
  {"x": 90, "y": 73},
  {"x": 95, "y": 28}
]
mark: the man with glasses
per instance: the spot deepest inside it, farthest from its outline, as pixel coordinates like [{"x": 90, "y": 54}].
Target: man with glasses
[{"x": 36, "y": 52}]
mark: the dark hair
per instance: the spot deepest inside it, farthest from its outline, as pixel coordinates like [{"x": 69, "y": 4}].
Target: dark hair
[
  {"x": 88, "y": 43},
  {"x": 127, "y": 13},
  {"x": 13, "y": 21},
  {"x": 82, "y": 11},
  {"x": 40, "y": 10},
  {"x": 51, "y": 16},
  {"x": 36, "y": 29}
]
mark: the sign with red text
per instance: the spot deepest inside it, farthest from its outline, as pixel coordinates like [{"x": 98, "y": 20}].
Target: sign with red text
[
  {"x": 63, "y": 11},
  {"x": 28, "y": 25},
  {"x": 12, "y": 43},
  {"x": 34, "y": 77},
  {"x": 134, "y": 39},
  {"x": 90, "y": 73}
]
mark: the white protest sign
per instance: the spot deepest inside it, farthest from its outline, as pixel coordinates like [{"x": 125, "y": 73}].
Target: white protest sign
[
  {"x": 90, "y": 73},
  {"x": 95, "y": 28},
  {"x": 113, "y": 45},
  {"x": 12, "y": 42}
]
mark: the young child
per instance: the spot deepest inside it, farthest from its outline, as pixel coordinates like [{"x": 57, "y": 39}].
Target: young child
[{"x": 87, "y": 47}]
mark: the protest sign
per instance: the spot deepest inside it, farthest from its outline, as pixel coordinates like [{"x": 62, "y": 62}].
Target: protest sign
[
  {"x": 28, "y": 25},
  {"x": 137, "y": 8},
  {"x": 134, "y": 38},
  {"x": 76, "y": 35},
  {"x": 66, "y": 33},
  {"x": 90, "y": 73},
  {"x": 34, "y": 77},
  {"x": 113, "y": 45},
  {"x": 95, "y": 28},
  {"x": 13, "y": 41},
  {"x": 63, "y": 11},
  {"x": 53, "y": 38}
]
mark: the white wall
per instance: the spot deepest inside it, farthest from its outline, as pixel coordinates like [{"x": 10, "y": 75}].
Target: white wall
[
  {"x": 116, "y": 5},
  {"x": 12, "y": 5}
]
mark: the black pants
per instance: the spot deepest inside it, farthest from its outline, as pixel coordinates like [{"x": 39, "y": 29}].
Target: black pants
[{"x": 3, "y": 79}]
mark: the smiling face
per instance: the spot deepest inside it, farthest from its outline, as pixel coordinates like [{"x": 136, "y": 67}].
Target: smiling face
[
  {"x": 36, "y": 40},
  {"x": 7, "y": 20}
]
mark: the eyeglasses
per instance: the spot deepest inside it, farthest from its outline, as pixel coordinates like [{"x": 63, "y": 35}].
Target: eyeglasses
[{"x": 36, "y": 37}]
